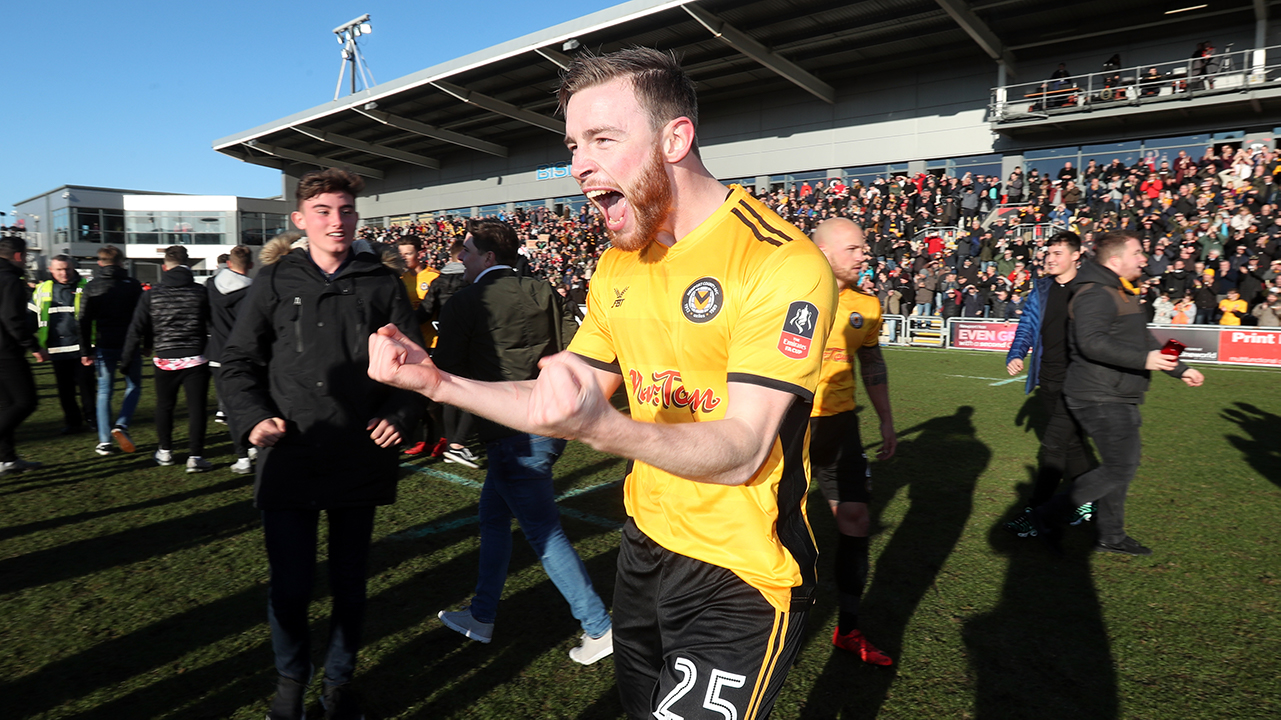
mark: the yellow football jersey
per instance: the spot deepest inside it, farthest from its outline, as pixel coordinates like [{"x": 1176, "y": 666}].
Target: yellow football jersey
[
  {"x": 744, "y": 298},
  {"x": 416, "y": 285},
  {"x": 857, "y": 324}
]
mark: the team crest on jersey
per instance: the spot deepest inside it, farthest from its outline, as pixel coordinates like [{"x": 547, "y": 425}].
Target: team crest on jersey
[
  {"x": 856, "y": 320},
  {"x": 798, "y": 330},
  {"x": 618, "y": 296},
  {"x": 423, "y": 286},
  {"x": 703, "y": 300}
]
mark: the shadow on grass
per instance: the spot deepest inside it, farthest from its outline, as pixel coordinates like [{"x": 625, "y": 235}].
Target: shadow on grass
[
  {"x": 1261, "y": 443},
  {"x": 941, "y": 498},
  {"x": 85, "y": 557},
  {"x": 429, "y": 662},
  {"x": 14, "y": 531},
  {"x": 1043, "y": 650}
]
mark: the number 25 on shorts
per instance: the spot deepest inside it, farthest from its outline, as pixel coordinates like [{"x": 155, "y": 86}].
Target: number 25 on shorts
[{"x": 712, "y": 700}]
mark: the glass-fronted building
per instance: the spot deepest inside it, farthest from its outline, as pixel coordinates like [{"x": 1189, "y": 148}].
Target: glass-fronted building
[{"x": 76, "y": 220}]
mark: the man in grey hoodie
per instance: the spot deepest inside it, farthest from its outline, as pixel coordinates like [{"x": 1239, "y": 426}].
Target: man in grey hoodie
[{"x": 226, "y": 289}]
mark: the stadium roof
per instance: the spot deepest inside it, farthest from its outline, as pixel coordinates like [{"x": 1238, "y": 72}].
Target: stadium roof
[{"x": 490, "y": 100}]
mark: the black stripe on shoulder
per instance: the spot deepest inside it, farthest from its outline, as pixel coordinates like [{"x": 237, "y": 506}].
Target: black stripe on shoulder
[
  {"x": 772, "y": 383},
  {"x": 755, "y": 231},
  {"x": 607, "y": 367},
  {"x": 782, "y": 235}
]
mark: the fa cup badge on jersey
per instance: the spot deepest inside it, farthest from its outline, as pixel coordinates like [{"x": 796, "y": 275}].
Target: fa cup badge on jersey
[{"x": 798, "y": 330}]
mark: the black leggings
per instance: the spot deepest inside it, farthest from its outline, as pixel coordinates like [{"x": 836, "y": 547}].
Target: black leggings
[{"x": 195, "y": 382}]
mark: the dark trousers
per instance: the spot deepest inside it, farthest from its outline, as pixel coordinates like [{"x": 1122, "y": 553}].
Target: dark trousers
[
  {"x": 195, "y": 383},
  {"x": 17, "y": 401},
  {"x": 238, "y": 439},
  {"x": 1114, "y": 428},
  {"x": 1063, "y": 454},
  {"x": 291, "y": 553},
  {"x": 458, "y": 424},
  {"x": 77, "y": 388}
]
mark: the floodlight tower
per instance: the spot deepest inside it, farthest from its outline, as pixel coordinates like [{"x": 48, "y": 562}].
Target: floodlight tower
[{"x": 347, "y": 34}]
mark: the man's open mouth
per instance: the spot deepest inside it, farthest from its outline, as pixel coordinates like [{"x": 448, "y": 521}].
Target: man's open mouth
[{"x": 612, "y": 205}]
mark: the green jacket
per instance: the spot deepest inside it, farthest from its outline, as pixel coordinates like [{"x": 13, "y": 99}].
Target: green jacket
[{"x": 42, "y": 301}]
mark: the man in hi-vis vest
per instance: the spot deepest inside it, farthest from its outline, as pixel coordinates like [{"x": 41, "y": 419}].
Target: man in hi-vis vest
[{"x": 56, "y": 304}]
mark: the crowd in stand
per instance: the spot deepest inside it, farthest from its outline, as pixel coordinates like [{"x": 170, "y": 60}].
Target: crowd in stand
[{"x": 1209, "y": 225}]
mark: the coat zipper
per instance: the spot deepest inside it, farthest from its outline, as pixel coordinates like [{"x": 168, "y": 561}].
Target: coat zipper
[{"x": 298, "y": 323}]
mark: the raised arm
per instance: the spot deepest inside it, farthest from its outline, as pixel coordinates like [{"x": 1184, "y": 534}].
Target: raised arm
[{"x": 570, "y": 399}]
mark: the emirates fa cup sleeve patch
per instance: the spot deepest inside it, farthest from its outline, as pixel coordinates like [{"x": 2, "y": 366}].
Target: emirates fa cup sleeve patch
[
  {"x": 798, "y": 330},
  {"x": 703, "y": 300}
]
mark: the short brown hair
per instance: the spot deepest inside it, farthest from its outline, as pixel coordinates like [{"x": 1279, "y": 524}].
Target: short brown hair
[
  {"x": 410, "y": 240},
  {"x": 662, "y": 87},
  {"x": 110, "y": 254},
  {"x": 240, "y": 258},
  {"x": 497, "y": 237},
  {"x": 1065, "y": 237},
  {"x": 329, "y": 180},
  {"x": 1112, "y": 244}
]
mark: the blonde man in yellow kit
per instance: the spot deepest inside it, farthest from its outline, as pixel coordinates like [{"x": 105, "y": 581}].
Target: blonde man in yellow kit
[
  {"x": 837, "y": 461},
  {"x": 712, "y": 312}
]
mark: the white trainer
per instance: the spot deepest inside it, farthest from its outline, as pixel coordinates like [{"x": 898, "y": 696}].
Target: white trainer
[
  {"x": 163, "y": 457},
  {"x": 243, "y": 466},
  {"x": 593, "y": 649},
  {"x": 197, "y": 464}
]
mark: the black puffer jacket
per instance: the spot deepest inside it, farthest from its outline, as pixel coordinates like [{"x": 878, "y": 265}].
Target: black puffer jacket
[
  {"x": 1109, "y": 340},
  {"x": 300, "y": 351},
  {"x": 172, "y": 318},
  {"x": 107, "y": 309}
]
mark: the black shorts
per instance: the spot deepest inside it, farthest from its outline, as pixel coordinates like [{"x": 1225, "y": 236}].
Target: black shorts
[
  {"x": 837, "y": 460},
  {"x": 692, "y": 639}
]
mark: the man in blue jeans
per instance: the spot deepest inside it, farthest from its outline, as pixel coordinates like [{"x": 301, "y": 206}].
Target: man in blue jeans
[
  {"x": 498, "y": 328},
  {"x": 108, "y": 305}
]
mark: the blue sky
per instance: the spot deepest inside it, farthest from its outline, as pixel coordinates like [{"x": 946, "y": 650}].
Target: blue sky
[{"x": 133, "y": 94}]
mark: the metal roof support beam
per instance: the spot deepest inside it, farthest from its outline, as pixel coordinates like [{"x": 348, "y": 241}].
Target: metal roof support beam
[
  {"x": 368, "y": 147},
  {"x": 249, "y": 157},
  {"x": 560, "y": 60},
  {"x": 499, "y": 107},
  {"x": 310, "y": 159},
  {"x": 431, "y": 131},
  {"x": 979, "y": 32},
  {"x": 748, "y": 46}
]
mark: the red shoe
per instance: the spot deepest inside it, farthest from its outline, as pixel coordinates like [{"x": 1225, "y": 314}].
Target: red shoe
[
  {"x": 439, "y": 451},
  {"x": 418, "y": 449},
  {"x": 855, "y": 642}
]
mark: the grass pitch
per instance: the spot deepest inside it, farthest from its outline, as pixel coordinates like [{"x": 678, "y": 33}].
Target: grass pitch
[{"x": 136, "y": 591}]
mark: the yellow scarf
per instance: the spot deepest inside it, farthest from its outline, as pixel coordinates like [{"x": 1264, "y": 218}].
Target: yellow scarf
[{"x": 1129, "y": 286}]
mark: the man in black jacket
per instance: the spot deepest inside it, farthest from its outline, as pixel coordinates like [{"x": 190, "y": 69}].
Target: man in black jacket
[
  {"x": 457, "y": 424},
  {"x": 173, "y": 318},
  {"x": 295, "y": 370},
  {"x": 1112, "y": 356},
  {"x": 17, "y": 385},
  {"x": 227, "y": 288},
  {"x": 497, "y": 329},
  {"x": 109, "y": 301}
]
